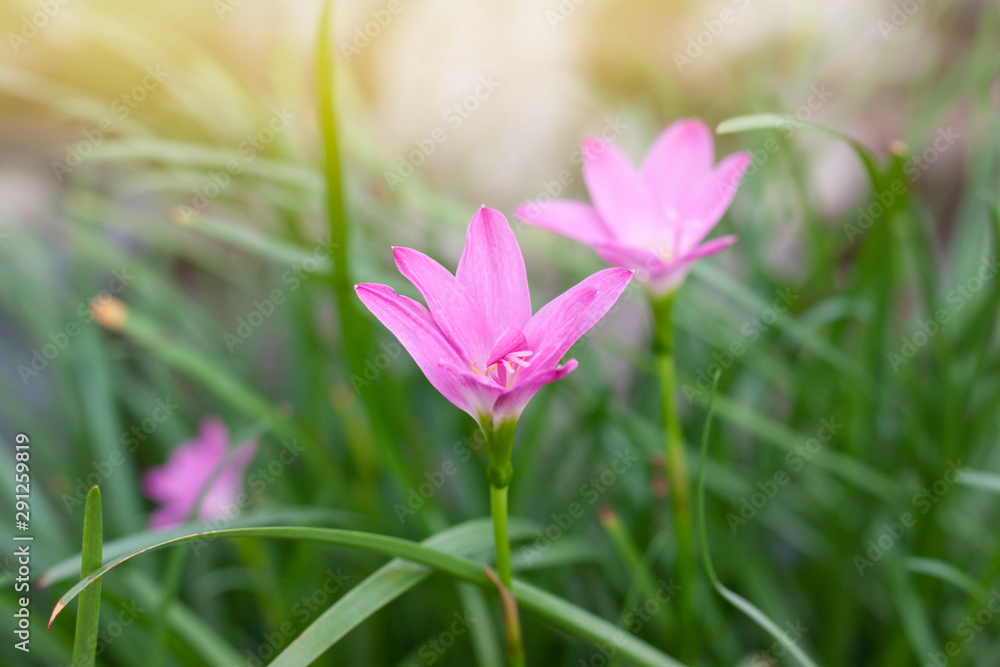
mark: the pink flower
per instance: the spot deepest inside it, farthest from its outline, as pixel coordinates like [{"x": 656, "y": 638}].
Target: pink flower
[
  {"x": 181, "y": 481},
  {"x": 478, "y": 343},
  {"x": 652, "y": 219}
]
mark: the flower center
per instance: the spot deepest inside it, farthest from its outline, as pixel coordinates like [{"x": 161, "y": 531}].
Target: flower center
[
  {"x": 505, "y": 369},
  {"x": 661, "y": 250}
]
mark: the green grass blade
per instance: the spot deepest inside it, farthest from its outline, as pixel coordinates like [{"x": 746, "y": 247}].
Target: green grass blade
[
  {"x": 948, "y": 573},
  {"x": 548, "y": 607},
  {"x": 257, "y": 243},
  {"x": 483, "y": 636},
  {"x": 775, "y": 433},
  {"x": 382, "y": 587},
  {"x": 230, "y": 388},
  {"x": 89, "y": 609},
  {"x": 304, "y": 515},
  {"x": 787, "y": 324},
  {"x": 97, "y": 394},
  {"x": 354, "y": 325},
  {"x": 738, "y": 601},
  {"x": 916, "y": 623},
  {"x": 187, "y": 625},
  {"x": 773, "y": 121},
  {"x": 980, "y": 479}
]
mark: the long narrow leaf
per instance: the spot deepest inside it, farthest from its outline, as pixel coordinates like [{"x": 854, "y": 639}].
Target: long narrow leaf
[
  {"x": 382, "y": 587},
  {"x": 89, "y": 609},
  {"x": 738, "y": 601},
  {"x": 116, "y": 548},
  {"x": 559, "y": 612}
]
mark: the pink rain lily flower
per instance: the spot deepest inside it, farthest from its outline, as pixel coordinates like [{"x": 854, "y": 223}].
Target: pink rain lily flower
[
  {"x": 182, "y": 480},
  {"x": 477, "y": 341},
  {"x": 653, "y": 219}
]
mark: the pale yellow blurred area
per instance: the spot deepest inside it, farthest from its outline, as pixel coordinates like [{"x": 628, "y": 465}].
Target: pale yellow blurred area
[{"x": 492, "y": 99}]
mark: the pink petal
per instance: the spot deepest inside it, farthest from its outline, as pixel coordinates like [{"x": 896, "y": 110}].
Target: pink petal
[
  {"x": 679, "y": 159},
  {"x": 619, "y": 192},
  {"x": 574, "y": 219},
  {"x": 416, "y": 330},
  {"x": 554, "y": 328},
  {"x": 225, "y": 489},
  {"x": 165, "y": 517},
  {"x": 477, "y": 391},
  {"x": 189, "y": 466},
  {"x": 492, "y": 270},
  {"x": 640, "y": 259},
  {"x": 511, "y": 340},
  {"x": 457, "y": 315},
  {"x": 708, "y": 201},
  {"x": 660, "y": 277},
  {"x": 199, "y": 468},
  {"x": 213, "y": 436},
  {"x": 710, "y": 248},
  {"x": 510, "y": 404}
]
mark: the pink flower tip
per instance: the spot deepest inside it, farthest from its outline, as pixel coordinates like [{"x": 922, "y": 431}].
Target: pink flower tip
[
  {"x": 654, "y": 217},
  {"x": 592, "y": 145},
  {"x": 477, "y": 340},
  {"x": 203, "y": 468}
]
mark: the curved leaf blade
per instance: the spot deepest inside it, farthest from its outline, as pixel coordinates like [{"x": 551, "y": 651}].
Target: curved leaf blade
[
  {"x": 67, "y": 568},
  {"x": 380, "y": 588},
  {"x": 738, "y": 601},
  {"x": 559, "y": 612}
]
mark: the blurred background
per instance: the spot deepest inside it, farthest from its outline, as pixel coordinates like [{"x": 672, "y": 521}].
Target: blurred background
[{"x": 171, "y": 156}]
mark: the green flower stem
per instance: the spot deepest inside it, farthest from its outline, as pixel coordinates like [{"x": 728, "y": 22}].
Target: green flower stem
[
  {"x": 498, "y": 507},
  {"x": 677, "y": 473},
  {"x": 499, "y": 444}
]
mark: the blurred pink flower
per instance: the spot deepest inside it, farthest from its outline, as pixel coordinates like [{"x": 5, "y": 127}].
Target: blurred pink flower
[
  {"x": 654, "y": 218},
  {"x": 181, "y": 481},
  {"x": 479, "y": 344}
]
